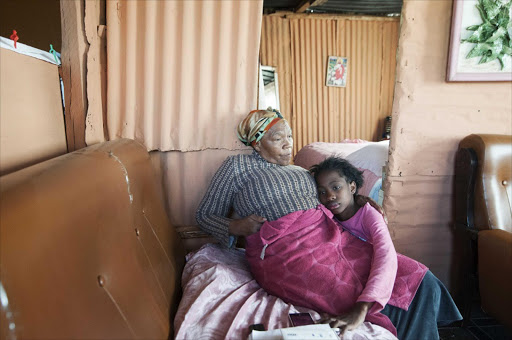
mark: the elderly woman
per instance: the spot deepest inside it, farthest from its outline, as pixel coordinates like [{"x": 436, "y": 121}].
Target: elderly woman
[
  {"x": 261, "y": 186},
  {"x": 298, "y": 253}
]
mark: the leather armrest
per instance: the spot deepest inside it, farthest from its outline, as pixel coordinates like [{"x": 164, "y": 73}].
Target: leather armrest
[
  {"x": 495, "y": 273},
  {"x": 497, "y": 242},
  {"x": 495, "y": 251}
]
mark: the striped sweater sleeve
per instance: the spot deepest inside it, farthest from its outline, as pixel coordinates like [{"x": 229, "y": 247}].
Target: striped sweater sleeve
[{"x": 212, "y": 212}]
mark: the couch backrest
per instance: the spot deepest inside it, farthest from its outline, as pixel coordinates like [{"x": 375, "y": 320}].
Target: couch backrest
[
  {"x": 491, "y": 201},
  {"x": 87, "y": 250}
]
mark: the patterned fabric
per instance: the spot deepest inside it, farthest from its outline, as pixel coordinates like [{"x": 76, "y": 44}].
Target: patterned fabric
[
  {"x": 306, "y": 259},
  {"x": 256, "y": 124},
  {"x": 251, "y": 185}
]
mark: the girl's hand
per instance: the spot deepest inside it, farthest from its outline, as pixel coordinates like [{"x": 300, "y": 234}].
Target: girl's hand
[
  {"x": 351, "y": 320},
  {"x": 362, "y": 200},
  {"x": 246, "y": 226}
]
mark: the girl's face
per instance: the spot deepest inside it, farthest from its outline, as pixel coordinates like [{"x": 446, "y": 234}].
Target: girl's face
[{"x": 337, "y": 194}]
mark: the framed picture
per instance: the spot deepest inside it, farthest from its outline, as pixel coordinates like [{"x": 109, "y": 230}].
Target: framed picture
[
  {"x": 480, "y": 42},
  {"x": 336, "y": 72}
]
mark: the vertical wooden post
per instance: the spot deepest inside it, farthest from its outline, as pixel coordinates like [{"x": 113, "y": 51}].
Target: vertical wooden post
[
  {"x": 74, "y": 48},
  {"x": 95, "y": 31}
]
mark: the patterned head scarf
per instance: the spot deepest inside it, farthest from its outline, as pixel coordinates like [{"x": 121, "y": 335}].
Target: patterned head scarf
[{"x": 256, "y": 124}]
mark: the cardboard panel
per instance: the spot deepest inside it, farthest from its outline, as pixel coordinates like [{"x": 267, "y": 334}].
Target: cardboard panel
[{"x": 31, "y": 116}]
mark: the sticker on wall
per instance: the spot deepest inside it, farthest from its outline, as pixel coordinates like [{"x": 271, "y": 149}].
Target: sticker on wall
[
  {"x": 336, "y": 71},
  {"x": 14, "y": 37}
]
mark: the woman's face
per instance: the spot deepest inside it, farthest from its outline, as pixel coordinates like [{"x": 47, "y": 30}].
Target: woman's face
[
  {"x": 276, "y": 145},
  {"x": 336, "y": 194}
]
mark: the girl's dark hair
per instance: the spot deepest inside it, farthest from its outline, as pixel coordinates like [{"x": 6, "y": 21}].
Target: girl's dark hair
[{"x": 342, "y": 167}]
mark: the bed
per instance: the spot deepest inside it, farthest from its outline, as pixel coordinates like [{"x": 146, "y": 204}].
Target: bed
[
  {"x": 221, "y": 300},
  {"x": 369, "y": 157}
]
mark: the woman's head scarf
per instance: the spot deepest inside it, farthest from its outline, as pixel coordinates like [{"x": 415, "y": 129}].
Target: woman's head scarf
[{"x": 256, "y": 124}]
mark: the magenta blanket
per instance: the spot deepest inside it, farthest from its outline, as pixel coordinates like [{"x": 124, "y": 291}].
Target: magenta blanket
[{"x": 306, "y": 259}]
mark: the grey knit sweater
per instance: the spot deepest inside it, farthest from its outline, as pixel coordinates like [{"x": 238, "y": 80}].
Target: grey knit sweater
[{"x": 250, "y": 185}]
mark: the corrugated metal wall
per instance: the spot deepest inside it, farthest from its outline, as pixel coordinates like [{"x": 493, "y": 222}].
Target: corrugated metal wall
[
  {"x": 181, "y": 74},
  {"x": 299, "y": 47}
]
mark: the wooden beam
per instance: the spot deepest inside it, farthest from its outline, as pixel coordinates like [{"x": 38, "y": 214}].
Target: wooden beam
[
  {"x": 74, "y": 47},
  {"x": 302, "y": 6},
  {"x": 305, "y": 4},
  {"x": 95, "y": 31},
  {"x": 334, "y": 16},
  {"x": 318, "y": 2}
]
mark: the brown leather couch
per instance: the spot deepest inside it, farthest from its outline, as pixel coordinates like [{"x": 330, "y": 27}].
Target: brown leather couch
[
  {"x": 483, "y": 208},
  {"x": 87, "y": 250}
]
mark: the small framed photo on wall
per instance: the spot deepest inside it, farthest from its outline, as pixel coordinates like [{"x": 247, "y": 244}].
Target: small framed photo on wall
[
  {"x": 336, "y": 72},
  {"x": 480, "y": 41}
]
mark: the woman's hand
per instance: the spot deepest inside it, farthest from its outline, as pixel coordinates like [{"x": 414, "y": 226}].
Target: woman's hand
[
  {"x": 246, "y": 226},
  {"x": 351, "y": 320},
  {"x": 362, "y": 200}
]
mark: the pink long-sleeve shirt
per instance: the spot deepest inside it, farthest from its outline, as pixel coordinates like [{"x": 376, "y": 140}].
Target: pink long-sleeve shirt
[{"x": 394, "y": 278}]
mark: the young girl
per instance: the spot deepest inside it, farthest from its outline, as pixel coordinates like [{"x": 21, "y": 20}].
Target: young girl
[{"x": 401, "y": 288}]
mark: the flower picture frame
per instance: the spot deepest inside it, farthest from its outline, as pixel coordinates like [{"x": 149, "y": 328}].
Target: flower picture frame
[{"x": 481, "y": 41}]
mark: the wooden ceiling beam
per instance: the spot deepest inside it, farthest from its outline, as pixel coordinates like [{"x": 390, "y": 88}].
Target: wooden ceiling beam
[
  {"x": 302, "y": 6},
  {"x": 318, "y": 2},
  {"x": 305, "y": 4}
]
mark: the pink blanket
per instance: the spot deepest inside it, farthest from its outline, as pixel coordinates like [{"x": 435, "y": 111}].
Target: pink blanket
[
  {"x": 305, "y": 259},
  {"x": 221, "y": 300}
]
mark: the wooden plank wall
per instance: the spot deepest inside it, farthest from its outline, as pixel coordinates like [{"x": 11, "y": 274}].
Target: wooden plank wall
[
  {"x": 299, "y": 47},
  {"x": 74, "y": 71}
]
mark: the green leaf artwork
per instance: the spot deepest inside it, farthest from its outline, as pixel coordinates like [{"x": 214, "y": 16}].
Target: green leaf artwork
[{"x": 493, "y": 37}]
